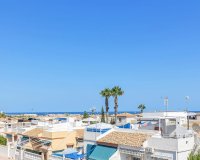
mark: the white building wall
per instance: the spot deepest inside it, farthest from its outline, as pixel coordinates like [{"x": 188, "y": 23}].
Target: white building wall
[
  {"x": 130, "y": 120},
  {"x": 126, "y": 119},
  {"x": 163, "y": 114},
  {"x": 183, "y": 156},
  {"x": 91, "y": 135},
  {"x": 90, "y": 138},
  {"x": 181, "y": 146},
  {"x": 180, "y": 116},
  {"x": 162, "y": 143},
  {"x": 115, "y": 156},
  {"x": 125, "y": 156},
  {"x": 88, "y": 142},
  {"x": 185, "y": 146}
]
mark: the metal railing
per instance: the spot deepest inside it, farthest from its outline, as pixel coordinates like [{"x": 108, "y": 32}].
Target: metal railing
[
  {"x": 27, "y": 156},
  {"x": 136, "y": 153}
]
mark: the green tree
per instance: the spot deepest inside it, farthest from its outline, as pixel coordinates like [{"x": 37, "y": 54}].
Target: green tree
[
  {"x": 67, "y": 114},
  {"x": 85, "y": 114},
  {"x": 193, "y": 156},
  {"x": 93, "y": 110},
  {"x": 3, "y": 141},
  {"x": 106, "y": 93},
  {"x": 116, "y": 91},
  {"x": 102, "y": 115},
  {"x": 2, "y": 115},
  {"x": 141, "y": 107}
]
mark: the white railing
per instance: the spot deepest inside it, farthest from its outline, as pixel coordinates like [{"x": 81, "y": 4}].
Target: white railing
[
  {"x": 136, "y": 153},
  {"x": 160, "y": 155},
  {"x": 58, "y": 158},
  {"x": 24, "y": 155},
  {"x": 4, "y": 150},
  {"x": 27, "y": 156},
  {"x": 31, "y": 156}
]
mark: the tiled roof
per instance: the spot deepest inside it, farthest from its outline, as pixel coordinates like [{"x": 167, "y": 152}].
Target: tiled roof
[
  {"x": 128, "y": 115},
  {"x": 36, "y": 132},
  {"x": 124, "y": 138}
]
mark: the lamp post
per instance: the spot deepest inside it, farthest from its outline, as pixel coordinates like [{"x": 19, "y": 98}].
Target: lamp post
[
  {"x": 166, "y": 102},
  {"x": 187, "y": 98}
]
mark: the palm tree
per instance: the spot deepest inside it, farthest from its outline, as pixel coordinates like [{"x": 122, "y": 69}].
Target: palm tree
[
  {"x": 106, "y": 93},
  {"x": 141, "y": 107},
  {"x": 116, "y": 91}
]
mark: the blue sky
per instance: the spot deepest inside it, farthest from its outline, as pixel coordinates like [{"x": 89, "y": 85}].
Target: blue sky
[{"x": 58, "y": 55}]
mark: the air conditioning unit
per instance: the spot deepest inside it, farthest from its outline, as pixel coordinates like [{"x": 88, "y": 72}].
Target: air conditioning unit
[{"x": 149, "y": 150}]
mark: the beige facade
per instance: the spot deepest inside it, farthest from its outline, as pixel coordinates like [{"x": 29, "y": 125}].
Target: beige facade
[
  {"x": 59, "y": 140},
  {"x": 44, "y": 141}
]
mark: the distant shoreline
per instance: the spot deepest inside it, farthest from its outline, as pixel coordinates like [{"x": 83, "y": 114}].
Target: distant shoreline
[
  {"x": 46, "y": 113},
  {"x": 81, "y": 113}
]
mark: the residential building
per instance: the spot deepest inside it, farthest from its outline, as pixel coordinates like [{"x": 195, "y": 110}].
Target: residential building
[
  {"x": 124, "y": 118},
  {"x": 166, "y": 139}
]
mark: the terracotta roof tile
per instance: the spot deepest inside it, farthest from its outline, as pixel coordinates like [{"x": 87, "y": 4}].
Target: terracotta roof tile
[
  {"x": 36, "y": 132},
  {"x": 125, "y": 138},
  {"x": 128, "y": 115}
]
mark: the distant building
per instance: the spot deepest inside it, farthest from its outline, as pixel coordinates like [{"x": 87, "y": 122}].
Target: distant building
[
  {"x": 182, "y": 116},
  {"x": 124, "y": 118}
]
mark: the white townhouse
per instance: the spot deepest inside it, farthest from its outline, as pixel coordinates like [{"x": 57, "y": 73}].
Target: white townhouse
[{"x": 167, "y": 140}]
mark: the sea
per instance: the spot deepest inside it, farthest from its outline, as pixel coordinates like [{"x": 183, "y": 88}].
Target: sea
[
  {"x": 47, "y": 113},
  {"x": 81, "y": 113}
]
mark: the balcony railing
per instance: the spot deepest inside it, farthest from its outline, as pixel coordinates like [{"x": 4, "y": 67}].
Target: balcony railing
[{"x": 136, "y": 153}]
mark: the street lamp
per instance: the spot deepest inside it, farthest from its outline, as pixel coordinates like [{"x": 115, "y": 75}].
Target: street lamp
[
  {"x": 187, "y": 98},
  {"x": 166, "y": 102}
]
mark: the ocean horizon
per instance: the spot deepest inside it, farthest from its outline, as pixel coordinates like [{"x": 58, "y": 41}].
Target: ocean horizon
[
  {"x": 46, "y": 113},
  {"x": 81, "y": 113}
]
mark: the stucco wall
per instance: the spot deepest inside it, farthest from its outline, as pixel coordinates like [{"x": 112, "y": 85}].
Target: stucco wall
[
  {"x": 181, "y": 146},
  {"x": 115, "y": 156},
  {"x": 185, "y": 146}
]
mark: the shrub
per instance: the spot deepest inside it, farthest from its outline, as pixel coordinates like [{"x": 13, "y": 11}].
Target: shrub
[
  {"x": 2, "y": 115},
  {"x": 194, "y": 156},
  {"x": 3, "y": 140}
]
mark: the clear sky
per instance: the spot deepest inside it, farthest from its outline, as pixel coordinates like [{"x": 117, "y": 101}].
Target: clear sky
[{"x": 58, "y": 55}]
